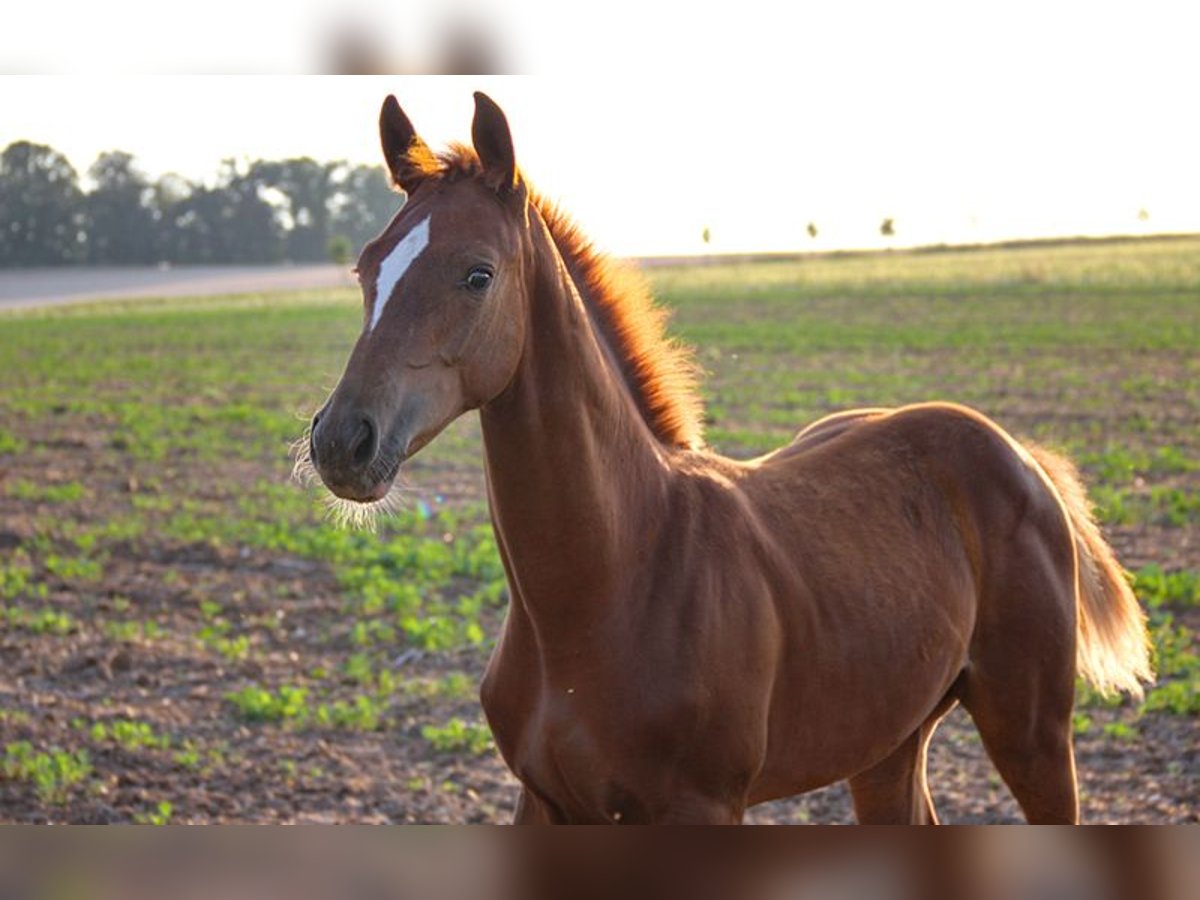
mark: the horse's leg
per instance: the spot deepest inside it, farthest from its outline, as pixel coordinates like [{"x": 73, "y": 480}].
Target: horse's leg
[
  {"x": 696, "y": 809},
  {"x": 1026, "y": 730},
  {"x": 895, "y": 791},
  {"x": 1020, "y": 685},
  {"x": 686, "y": 809},
  {"x": 531, "y": 810}
]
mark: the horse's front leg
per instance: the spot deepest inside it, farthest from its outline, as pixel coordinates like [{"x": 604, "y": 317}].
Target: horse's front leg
[
  {"x": 702, "y": 811},
  {"x": 685, "y": 810},
  {"x": 531, "y": 810}
]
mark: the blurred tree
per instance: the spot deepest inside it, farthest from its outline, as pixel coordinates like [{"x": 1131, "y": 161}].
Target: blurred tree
[
  {"x": 252, "y": 230},
  {"x": 168, "y": 193},
  {"x": 41, "y": 207},
  {"x": 888, "y": 227},
  {"x": 306, "y": 187},
  {"x": 340, "y": 250},
  {"x": 192, "y": 226},
  {"x": 119, "y": 218},
  {"x": 231, "y": 222},
  {"x": 362, "y": 204},
  {"x": 252, "y": 212}
]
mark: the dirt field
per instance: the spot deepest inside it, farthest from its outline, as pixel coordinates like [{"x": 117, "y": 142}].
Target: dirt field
[{"x": 184, "y": 638}]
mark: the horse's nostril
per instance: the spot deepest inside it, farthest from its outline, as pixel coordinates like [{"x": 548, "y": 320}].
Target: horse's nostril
[
  {"x": 365, "y": 443},
  {"x": 312, "y": 437}
]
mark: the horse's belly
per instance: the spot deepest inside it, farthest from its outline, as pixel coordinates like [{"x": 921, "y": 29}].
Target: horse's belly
[{"x": 846, "y": 704}]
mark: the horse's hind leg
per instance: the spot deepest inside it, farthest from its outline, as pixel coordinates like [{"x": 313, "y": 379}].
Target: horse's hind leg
[
  {"x": 1020, "y": 689},
  {"x": 1026, "y": 730},
  {"x": 894, "y": 791}
]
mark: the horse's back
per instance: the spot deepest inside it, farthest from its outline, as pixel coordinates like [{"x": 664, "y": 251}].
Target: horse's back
[
  {"x": 945, "y": 440},
  {"x": 910, "y": 469}
]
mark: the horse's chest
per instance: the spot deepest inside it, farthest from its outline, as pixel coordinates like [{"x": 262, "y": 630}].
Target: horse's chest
[
  {"x": 565, "y": 748},
  {"x": 591, "y": 748}
]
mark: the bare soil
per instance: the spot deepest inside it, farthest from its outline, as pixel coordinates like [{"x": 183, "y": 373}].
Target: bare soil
[{"x": 250, "y": 772}]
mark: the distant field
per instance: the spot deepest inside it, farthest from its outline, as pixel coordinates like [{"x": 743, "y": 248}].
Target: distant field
[{"x": 183, "y": 637}]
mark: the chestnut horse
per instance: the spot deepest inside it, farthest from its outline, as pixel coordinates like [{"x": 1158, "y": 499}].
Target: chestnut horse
[{"x": 689, "y": 635}]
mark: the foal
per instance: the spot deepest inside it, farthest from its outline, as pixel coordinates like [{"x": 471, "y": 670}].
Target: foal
[{"x": 688, "y": 634}]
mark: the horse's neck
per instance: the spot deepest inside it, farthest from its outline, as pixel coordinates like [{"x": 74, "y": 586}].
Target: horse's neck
[{"x": 573, "y": 472}]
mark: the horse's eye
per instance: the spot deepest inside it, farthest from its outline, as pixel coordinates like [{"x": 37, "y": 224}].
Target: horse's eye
[{"x": 478, "y": 278}]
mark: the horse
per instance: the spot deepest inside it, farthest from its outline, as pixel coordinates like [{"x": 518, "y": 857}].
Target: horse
[{"x": 687, "y": 634}]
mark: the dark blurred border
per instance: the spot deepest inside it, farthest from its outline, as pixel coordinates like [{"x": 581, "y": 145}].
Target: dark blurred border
[{"x": 599, "y": 863}]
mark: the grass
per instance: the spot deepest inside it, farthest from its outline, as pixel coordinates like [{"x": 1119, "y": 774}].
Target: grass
[
  {"x": 129, "y": 735},
  {"x": 159, "y": 815},
  {"x": 133, "y": 631},
  {"x": 287, "y": 703},
  {"x": 43, "y": 620},
  {"x": 46, "y": 493},
  {"x": 459, "y": 736},
  {"x": 144, "y": 452},
  {"x": 1158, "y": 588},
  {"x": 53, "y": 772},
  {"x": 294, "y": 706}
]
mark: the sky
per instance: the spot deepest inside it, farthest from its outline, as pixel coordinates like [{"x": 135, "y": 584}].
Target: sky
[{"x": 962, "y": 122}]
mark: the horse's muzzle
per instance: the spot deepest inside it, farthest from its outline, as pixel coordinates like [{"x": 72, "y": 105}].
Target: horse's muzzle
[{"x": 344, "y": 448}]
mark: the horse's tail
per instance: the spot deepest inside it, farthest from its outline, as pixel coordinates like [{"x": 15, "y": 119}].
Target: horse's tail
[{"x": 1113, "y": 645}]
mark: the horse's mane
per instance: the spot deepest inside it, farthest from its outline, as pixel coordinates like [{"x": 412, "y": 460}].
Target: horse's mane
[{"x": 658, "y": 371}]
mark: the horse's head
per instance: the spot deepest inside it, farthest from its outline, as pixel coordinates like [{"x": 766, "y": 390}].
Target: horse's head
[{"x": 444, "y": 305}]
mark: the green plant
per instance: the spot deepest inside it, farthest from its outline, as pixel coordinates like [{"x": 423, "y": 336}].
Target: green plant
[
  {"x": 129, "y": 735},
  {"x": 46, "y": 493},
  {"x": 257, "y": 704},
  {"x": 160, "y": 815},
  {"x": 234, "y": 649},
  {"x": 14, "y": 717},
  {"x": 1180, "y": 698},
  {"x": 132, "y": 631},
  {"x": 74, "y": 568},
  {"x": 53, "y": 773},
  {"x": 45, "y": 620},
  {"x": 215, "y": 635},
  {"x": 364, "y": 713},
  {"x": 458, "y": 735},
  {"x": 188, "y": 757},
  {"x": 1120, "y": 731},
  {"x": 10, "y": 443},
  {"x": 1157, "y": 588},
  {"x": 17, "y": 579}
]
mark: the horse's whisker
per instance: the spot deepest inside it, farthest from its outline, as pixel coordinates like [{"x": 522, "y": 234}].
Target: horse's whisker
[
  {"x": 366, "y": 516},
  {"x": 350, "y": 513}
]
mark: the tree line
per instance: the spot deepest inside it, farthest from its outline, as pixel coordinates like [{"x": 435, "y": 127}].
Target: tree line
[{"x": 263, "y": 211}]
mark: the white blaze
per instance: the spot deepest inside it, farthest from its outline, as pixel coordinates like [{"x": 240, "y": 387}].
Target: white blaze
[{"x": 396, "y": 264}]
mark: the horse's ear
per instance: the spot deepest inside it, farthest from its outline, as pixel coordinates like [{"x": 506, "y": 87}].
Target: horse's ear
[
  {"x": 493, "y": 143},
  {"x": 408, "y": 158}
]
